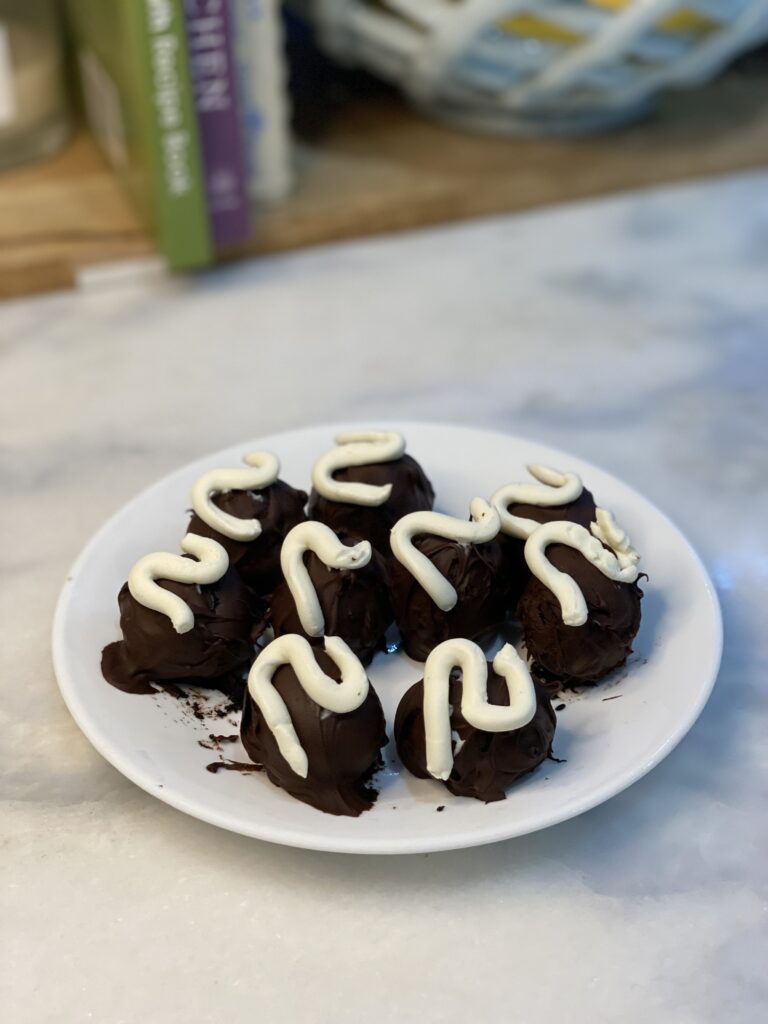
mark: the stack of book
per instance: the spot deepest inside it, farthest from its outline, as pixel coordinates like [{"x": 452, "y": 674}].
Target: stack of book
[{"x": 187, "y": 100}]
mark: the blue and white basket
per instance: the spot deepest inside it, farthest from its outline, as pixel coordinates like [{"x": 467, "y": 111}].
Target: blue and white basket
[{"x": 560, "y": 65}]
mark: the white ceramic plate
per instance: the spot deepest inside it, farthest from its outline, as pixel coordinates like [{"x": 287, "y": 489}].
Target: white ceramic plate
[{"x": 607, "y": 744}]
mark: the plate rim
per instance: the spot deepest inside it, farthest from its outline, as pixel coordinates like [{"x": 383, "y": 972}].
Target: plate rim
[{"x": 390, "y": 845}]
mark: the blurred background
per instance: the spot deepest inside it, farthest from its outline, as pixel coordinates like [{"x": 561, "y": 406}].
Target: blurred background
[{"x": 195, "y": 131}]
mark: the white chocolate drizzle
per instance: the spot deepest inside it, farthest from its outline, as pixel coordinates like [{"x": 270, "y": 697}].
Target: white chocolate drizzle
[
  {"x": 321, "y": 539},
  {"x": 553, "y": 488},
  {"x": 212, "y": 562},
  {"x": 475, "y": 708},
  {"x": 619, "y": 563},
  {"x": 339, "y": 698},
  {"x": 483, "y": 526},
  {"x": 357, "y": 448},
  {"x": 264, "y": 469}
]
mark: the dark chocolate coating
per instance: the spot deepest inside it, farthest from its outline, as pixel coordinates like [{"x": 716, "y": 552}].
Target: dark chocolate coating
[
  {"x": 566, "y": 656},
  {"x": 488, "y": 762},
  {"x": 355, "y": 603},
  {"x": 516, "y": 571},
  {"x": 411, "y": 492},
  {"x": 213, "y": 653},
  {"x": 343, "y": 751},
  {"x": 278, "y": 508},
  {"x": 475, "y": 570}
]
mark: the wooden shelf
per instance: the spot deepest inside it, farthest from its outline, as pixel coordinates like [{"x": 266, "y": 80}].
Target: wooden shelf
[{"x": 382, "y": 167}]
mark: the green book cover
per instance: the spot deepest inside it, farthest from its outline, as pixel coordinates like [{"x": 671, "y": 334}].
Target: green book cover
[{"x": 133, "y": 63}]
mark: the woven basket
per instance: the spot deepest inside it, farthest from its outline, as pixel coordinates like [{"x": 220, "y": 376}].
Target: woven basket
[{"x": 562, "y": 65}]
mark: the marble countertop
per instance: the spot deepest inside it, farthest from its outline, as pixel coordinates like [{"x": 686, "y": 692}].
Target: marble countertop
[{"x": 634, "y": 332}]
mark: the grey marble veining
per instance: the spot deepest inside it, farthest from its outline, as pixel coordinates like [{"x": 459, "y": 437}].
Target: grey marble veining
[{"x": 633, "y": 331}]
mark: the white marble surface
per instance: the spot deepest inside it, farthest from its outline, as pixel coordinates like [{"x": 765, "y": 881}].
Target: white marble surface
[{"x": 634, "y": 332}]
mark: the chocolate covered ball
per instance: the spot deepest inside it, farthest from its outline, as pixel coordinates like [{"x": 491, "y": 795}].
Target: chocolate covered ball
[
  {"x": 278, "y": 508},
  {"x": 411, "y": 492},
  {"x": 474, "y": 570},
  {"x": 343, "y": 751},
  {"x": 355, "y": 603},
  {"x": 485, "y": 764},
  {"x": 516, "y": 571},
  {"x": 566, "y": 656},
  {"x": 214, "y": 653}
]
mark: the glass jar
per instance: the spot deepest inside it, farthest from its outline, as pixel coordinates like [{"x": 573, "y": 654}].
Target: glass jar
[{"x": 34, "y": 116}]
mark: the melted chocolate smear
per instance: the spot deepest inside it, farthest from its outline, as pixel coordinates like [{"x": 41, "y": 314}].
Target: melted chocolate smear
[
  {"x": 244, "y": 767},
  {"x": 214, "y": 742},
  {"x": 557, "y": 760},
  {"x": 199, "y": 705},
  {"x": 173, "y": 691}
]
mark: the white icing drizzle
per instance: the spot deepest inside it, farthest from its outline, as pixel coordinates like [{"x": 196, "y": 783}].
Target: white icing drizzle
[
  {"x": 338, "y": 698},
  {"x": 321, "y": 539},
  {"x": 475, "y": 708},
  {"x": 484, "y": 526},
  {"x": 264, "y": 469},
  {"x": 553, "y": 488},
  {"x": 608, "y": 531},
  {"x": 357, "y": 448},
  {"x": 212, "y": 562},
  {"x": 619, "y": 563}
]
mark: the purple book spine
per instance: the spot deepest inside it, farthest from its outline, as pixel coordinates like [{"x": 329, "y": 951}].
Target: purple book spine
[{"x": 213, "y": 73}]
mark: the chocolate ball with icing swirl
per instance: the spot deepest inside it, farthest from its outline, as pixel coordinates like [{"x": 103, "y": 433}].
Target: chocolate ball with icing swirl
[
  {"x": 366, "y": 484},
  {"x": 199, "y": 628},
  {"x": 580, "y": 611},
  {"x": 315, "y": 724},
  {"x": 334, "y": 585},
  {"x": 248, "y": 511},
  {"x": 522, "y": 506},
  {"x": 446, "y": 578},
  {"x": 477, "y": 743}
]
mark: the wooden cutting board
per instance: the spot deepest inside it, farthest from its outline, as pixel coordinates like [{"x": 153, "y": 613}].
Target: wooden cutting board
[{"x": 381, "y": 167}]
